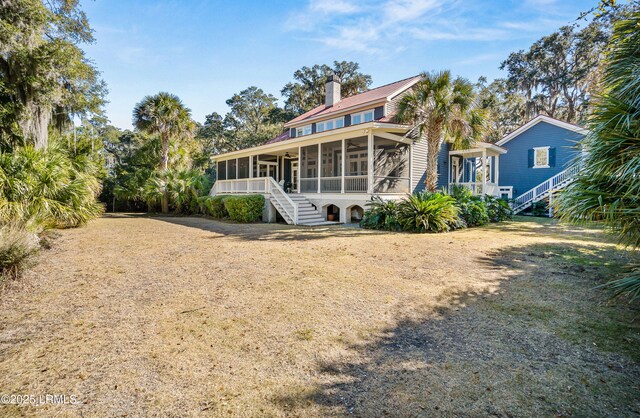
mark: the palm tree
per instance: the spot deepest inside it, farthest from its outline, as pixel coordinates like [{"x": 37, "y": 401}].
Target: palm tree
[
  {"x": 607, "y": 188},
  {"x": 440, "y": 109},
  {"x": 166, "y": 116}
]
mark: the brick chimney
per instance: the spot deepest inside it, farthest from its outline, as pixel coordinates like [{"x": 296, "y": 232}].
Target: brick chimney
[{"x": 332, "y": 91}]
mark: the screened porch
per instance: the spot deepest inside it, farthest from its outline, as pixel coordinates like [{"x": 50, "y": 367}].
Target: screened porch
[{"x": 339, "y": 166}]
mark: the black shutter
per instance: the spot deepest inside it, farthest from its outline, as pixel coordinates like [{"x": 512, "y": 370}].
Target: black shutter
[
  {"x": 531, "y": 157},
  {"x": 552, "y": 157}
]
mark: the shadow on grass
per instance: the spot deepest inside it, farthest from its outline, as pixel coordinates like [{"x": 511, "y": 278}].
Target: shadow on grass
[
  {"x": 547, "y": 343},
  {"x": 265, "y": 231}
]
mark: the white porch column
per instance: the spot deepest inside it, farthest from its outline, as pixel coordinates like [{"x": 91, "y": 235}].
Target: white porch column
[
  {"x": 236, "y": 168},
  {"x": 496, "y": 170},
  {"x": 299, "y": 168},
  {"x": 251, "y": 166},
  {"x": 370, "y": 164},
  {"x": 319, "y": 165},
  {"x": 484, "y": 171},
  {"x": 343, "y": 167}
]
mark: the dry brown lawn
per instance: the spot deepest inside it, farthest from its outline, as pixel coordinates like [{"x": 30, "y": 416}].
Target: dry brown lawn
[{"x": 143, "y": 316}]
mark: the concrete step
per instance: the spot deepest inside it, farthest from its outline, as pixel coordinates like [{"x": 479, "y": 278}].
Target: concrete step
[{"x": 320, "y": 223}]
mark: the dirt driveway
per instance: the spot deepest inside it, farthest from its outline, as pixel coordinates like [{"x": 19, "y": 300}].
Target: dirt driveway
[{"x": 139, "y": 316}]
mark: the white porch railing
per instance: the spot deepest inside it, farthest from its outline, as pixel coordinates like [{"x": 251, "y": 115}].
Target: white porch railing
[
  {"x": 356, "y": 184},
  {"x": 544, "y": 189},
  {"x": 479, "y": 188},
  {"x": 331, "y": 184},
  {"x": 261, "y": 185}
]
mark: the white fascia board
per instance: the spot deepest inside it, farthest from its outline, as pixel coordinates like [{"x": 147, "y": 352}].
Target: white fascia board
[
  {"x": 317, "y": 138},
  {"x": 542, "y": 118}
]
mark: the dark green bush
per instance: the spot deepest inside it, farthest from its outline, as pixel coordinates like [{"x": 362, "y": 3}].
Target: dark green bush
[
  {"x": 244, "y": 209},
  {"x": 381, "y": 214},
  {"x": 472, "y": 209},
  {"x": 428, "y": 212},
  {"x": 540, "y": 208},
  {"x": 498, "y": 209},
  {"x": 213, "y": 206}
]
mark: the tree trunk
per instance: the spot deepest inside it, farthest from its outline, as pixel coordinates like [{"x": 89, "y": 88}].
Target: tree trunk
[
  {"x": 34, "y": 123},
  {"x": 164, "y": 165},
  {"x": 165, "y": 202},
  {"x": 433, "y": 148}
]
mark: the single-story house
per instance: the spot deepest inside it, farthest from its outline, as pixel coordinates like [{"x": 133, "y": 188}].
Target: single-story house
[{"x": 330, "y": 161}]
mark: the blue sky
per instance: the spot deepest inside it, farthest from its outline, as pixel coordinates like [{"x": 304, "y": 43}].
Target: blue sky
[{"x": 205, "y": 51}]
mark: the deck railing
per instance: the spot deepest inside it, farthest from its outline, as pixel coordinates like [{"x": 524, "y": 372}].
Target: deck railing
[
  {"x": 262, "y": 185},
  {"x": 331, "y": 184},
  {"x": 479, "y": 188},
  {"x": 356, "y": 184},
  {"x": 543, "y": 189}
]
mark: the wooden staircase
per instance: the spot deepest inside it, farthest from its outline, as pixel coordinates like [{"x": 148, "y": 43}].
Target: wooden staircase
[
  {"x": 544, "y": 190},
  {"x": 307, "y": 214}
]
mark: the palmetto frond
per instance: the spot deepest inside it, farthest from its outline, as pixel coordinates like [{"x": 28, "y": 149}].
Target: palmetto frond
[{"x": 440, "y": 108}]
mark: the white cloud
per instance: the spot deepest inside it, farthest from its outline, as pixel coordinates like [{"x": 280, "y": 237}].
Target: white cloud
[
  {"x": 332, "y": 7},
  {"x": 366, "y": 26}
]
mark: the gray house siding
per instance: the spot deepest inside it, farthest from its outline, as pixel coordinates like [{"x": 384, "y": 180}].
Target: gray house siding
[
  {"x": 514, "y": 165},
  {"x": 418, "y": 165}
]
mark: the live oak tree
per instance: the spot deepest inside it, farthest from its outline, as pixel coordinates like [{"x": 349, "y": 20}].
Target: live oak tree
[
  {"x": 45, "y": 78},
  {"x": 308, "y": 89},
  {"x": 559, "y": 72}
]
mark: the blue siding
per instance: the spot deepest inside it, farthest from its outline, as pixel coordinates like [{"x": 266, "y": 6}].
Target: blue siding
[{"x": 514, "y": 170}]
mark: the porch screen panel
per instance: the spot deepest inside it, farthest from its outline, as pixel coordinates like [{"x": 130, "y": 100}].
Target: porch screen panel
[
  {"x": 309, "y": 169},
  {"x": 222, "y": 170},
  {"x": 391, "y": 166},
  {"x": 231, "y": 172},
  {"x": 356, "y": 165},
  {"x": 243, "y": 168},
  {"x": 331, "y": 167}
]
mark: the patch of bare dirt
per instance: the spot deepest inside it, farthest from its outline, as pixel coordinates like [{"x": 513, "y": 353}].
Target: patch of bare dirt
[{"x": 147, "y": 316}]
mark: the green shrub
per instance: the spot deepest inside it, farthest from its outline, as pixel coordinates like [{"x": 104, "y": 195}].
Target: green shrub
[
  {"x": 41, "y": 189},
  {"x": 498, "y": 209},
  {"x": 540, "y": 208},
  {"x": 472, "y": 209},
  {"x": 381, "y": 214},
  {"x": 16, "y": 247},
  {"x": 244, "y": 209},
  {"x": 213, "y": 206},
  {"x": 428, "y": 212}
]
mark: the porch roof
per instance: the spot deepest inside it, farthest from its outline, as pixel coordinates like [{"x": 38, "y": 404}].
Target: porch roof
[
  {"x": 321, "y": 137},
  {"x": 479, "y": 148}
]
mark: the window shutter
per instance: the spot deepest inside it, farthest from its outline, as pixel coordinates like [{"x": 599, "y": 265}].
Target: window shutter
[
  {"x": 531, "y": 157},
  {"x": 552, "y": 157}
]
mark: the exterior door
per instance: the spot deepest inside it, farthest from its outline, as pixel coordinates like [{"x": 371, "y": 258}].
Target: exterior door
[
  {"x": 267, "y": 170},
  {"x": 294, "y": 176}
]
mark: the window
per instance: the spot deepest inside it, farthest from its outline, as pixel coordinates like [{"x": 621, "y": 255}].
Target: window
[
  {"x": 362, "y": 117},
  {"x": 541, "y": 157},
  {"x": 303, "y": 130},
  {"x": 330, "y": 124}
]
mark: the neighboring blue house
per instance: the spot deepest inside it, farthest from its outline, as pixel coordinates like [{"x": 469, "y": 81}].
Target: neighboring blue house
[{"x": 525, "y": 165}]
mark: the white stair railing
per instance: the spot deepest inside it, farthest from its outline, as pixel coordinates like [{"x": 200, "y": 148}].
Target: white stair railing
[
  {"x": 543, "y": 189},
  {"x": 263, "y": 185},
  {"x": 289, "y": 206}
]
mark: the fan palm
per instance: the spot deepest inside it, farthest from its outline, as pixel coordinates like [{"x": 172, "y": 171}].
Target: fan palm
[
  {"x": 440, "y": 108},
  {"x": 165, "y": 115},
  {"x": 608, "y": 187}
]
